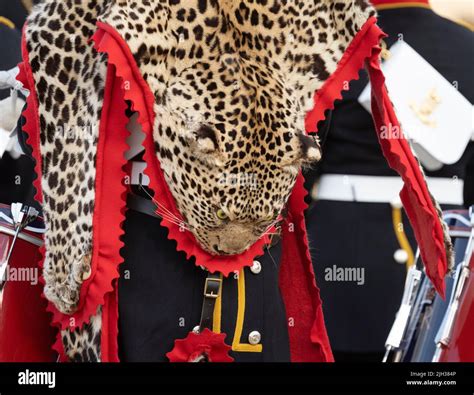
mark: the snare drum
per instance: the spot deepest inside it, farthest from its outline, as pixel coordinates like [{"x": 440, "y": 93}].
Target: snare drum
[
  {"x": 22, "y": 309},
  {"x": 416, "y": 334},
  {"x": 455, "y": 338},
  {"x": 434, "y": 307}
]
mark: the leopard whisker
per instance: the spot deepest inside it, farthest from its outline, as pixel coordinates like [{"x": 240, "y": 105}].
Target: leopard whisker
[
  {"x": 173, "y": 219},
  {"x": 158, "y": 204},
  {"x": 269, "y": 227},
  {"x": 179, "y": 224},
  {"x": 166, "y": 213}
]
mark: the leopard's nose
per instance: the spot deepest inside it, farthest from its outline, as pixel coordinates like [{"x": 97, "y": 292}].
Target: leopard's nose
[{"x": 235, "y": 239}]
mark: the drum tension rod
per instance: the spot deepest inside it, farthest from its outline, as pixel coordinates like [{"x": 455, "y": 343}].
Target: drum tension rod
[{"x": 22, "y": 216}]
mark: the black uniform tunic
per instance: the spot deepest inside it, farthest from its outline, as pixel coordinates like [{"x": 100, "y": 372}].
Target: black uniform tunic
[
  {"x": 351, "y": 234},
  {"x": 161, "y": 295},
  {"x": 16, "y": 176}
]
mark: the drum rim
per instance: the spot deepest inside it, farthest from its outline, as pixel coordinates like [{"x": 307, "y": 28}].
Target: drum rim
[{"x": 38, "y": 241}]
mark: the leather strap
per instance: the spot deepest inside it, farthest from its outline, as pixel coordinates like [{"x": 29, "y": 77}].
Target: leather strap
[
  {"x": 142, "y": 205},
  {"x": 212, "y": 291}
]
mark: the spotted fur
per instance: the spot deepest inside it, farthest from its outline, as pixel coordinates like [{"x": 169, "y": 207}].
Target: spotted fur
[
  {"x": 83, "y": 345},
  {"x": 232, "y": 80}
]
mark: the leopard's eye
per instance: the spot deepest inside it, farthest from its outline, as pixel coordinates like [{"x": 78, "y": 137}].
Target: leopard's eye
[{"x": 221, "y": 214}]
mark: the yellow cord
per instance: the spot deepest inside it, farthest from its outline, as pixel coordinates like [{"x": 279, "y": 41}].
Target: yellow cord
[
  {"x": 236, "y": 345},
  {"x": 7, "y": 22},
  {"x": 401, "y": 236},
  {"x": 217, "y": 318},
  {"x": 392, "y": 6}
]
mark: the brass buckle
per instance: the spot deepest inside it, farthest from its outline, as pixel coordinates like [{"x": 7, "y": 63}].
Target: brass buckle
[{"x": 211, "y": 294}]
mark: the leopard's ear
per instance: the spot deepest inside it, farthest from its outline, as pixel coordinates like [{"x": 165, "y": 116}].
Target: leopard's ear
[
  {"x": 204, "y": 143},
  {"x": 205, "y": 139},
  {"x": 305, "y": 151},
  {"x": 310, "y": 149}
]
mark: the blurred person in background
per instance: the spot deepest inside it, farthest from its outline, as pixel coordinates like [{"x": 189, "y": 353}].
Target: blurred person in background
[
  {"x": 361, "y": 242},
  {"x": 461, "y": 11},
  {"x": 16, "y": 176},
  {"x": 16, "y": 11}
]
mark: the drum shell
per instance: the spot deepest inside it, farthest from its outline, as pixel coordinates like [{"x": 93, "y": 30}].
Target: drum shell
[
  {"x": 461, "y": 347},
  {"x": 23, "y": 309},
  {"x": 424, "y": 347},
  {"x": 429, "y": 313}
]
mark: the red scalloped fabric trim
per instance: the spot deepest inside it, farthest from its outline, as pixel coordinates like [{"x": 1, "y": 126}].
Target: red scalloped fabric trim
[
  {"x": 109, "y": 201},
  {"x": 31, "y": 128},
  {"x": 109, "y": 207},
  {"x": 415, "y": 195},
  {"x": 309, "y": 341},
  {"x": 109, "y": 336},
  {"x": 207, "y": 343},
  {"x": 109, "y": 40},
  {"x": 347, "y": 70},
  {"x": 109, "y": 215}
]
